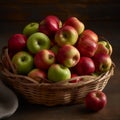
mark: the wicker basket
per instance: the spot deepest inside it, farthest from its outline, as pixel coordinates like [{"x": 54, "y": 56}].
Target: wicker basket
[{"x": 51, "y": 94}]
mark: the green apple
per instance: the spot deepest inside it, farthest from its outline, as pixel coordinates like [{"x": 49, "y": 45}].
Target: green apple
[
  {"x": 23, "y": 62},
  {"x": 58, "y": 72},
  {"x": 38, "y": 41},
  {"x": 31, "y": 28}
]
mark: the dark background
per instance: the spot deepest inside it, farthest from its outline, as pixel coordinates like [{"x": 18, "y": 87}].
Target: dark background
[
  {"x": 102, "y": 16},
  {"x": 29, "y": 10}
]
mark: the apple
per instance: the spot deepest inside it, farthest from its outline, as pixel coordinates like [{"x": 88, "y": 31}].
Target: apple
[
  {"x": 56, "y": 19},
  {"x": 44, "y": 58},
  {"x": 85, "y": 66},
  {"x": 74, "y": 78},
  {"x": 37, "y": 74},
  {"x": 68, "y": 55},
  {"x": 76, "y": 23},
  {"x": 30, "y": 28},
  {"x": 55, "y": 49},
  {"x": 104, "y": 47},
  {"x": 90, "y": 34},
  {"x": 86, "y": 46},
  {"x": 66, "y": 35},
  {"x": 38, "y": 41},
  {"x": 102, "y": 62},
  {"x": 23, "y": 62},
  {"x": 49, "y": 25},
  {"x": 53, "y": 17},
  {"x": 95, "y": 100},
  {"x": 58, "y": 72},
  {"x": 16, "y": 42}
]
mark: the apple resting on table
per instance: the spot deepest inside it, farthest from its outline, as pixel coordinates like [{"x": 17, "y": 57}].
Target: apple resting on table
[{"x": 95, "y": 100}]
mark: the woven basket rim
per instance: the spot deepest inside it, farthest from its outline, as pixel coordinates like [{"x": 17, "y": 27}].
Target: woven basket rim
[
  {"x": 51, "y": 94},
  {"x": 30, "y": 81}
]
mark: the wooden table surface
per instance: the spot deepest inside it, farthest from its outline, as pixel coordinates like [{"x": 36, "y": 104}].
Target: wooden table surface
[{"x": 103, "y": 18}]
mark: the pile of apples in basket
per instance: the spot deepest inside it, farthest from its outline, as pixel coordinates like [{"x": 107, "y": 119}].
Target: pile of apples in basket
[{"x": 57, "y": 51}]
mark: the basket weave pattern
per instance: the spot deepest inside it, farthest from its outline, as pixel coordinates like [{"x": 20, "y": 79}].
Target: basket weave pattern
[{"x": 51, "y": 94}]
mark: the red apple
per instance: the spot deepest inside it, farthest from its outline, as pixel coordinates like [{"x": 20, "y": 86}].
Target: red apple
[
  {"x": 86, "y": 46},
  {"x": 68, "y": 55},
  {"x": 49, "y": 25},
  {"x": 102, "y": 62},
  {"x": 85, "y": 66},
  {"x": 74, "y": 75},
  {"x": 44, "y": 58},
  {"x": 16, "y": 43},
  {"x": 73, "y": 78},
  {"x": 104, "y": 47},
  {"x": 76, "y": 23},
  {"x": 90, "y": 34},
  {"x": 95, "y": 100},
  {"x": 56, "y": 19},
  {"x": 66, "y": 35},
  {"x": 37, "y": 74}
]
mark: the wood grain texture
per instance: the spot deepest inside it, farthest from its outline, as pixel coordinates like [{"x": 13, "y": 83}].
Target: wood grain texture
[{"x": 29, "y": 10}]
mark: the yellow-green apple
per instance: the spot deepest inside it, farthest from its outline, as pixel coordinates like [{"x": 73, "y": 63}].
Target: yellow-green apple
[
  {"x": 104, "y": 47},
  {"x": 102, "y": 62},
  {"x": 90, "y": 34},
  {"x": 66, "y": 35},
  {"x": 23, "y": 62},
  {"x": 49, "y": 25},
  {"x": 37, "y": 74},
  {"x": 44, "y": 59},
  {"x": 16, "y": 42},
  {"x": 30, "y": 28},
  {"x": 38, "y": 41},
  {"x": 85, "y": 66},
  {"x": 68, "y": 55},
  {"x": 58, "y": 72},
  {"x": 76, "y": 23},
  {"x": 86, "y": 46},
  {"x": 95, "y": 100}
]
